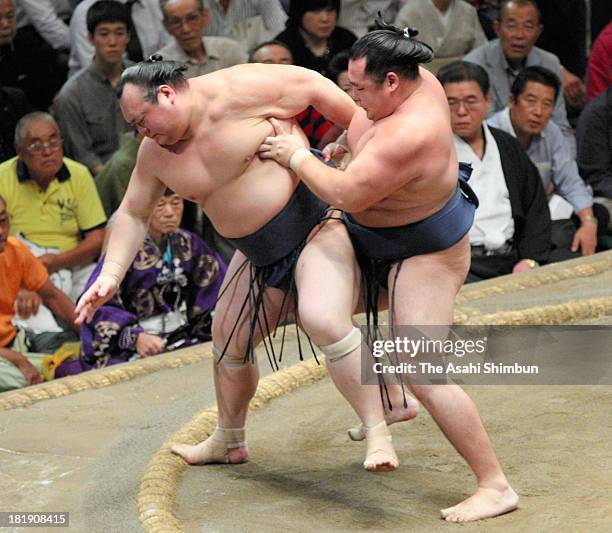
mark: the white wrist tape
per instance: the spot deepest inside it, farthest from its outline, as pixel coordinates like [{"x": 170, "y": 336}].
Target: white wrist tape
[
  {"x": 114, "y": 270},
  {"x": 297, "y": 157}
]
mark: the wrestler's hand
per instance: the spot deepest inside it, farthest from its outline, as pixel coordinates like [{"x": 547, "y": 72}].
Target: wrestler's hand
[
  {"x": 147, "y": 344},
  {"x": 338, "y": 154},
  {"x": 27, "y": 303},
  {"x": 97, "y": 295},
  {"x": 281, "y": 146}
]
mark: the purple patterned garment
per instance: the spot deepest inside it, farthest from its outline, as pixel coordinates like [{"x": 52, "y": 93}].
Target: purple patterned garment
[{"x": 186, "y": 274}]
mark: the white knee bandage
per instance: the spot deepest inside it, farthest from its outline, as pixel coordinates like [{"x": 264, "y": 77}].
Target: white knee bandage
[
  {"x": 228, "y": 359},
  {"x": 336, "y": 351}
]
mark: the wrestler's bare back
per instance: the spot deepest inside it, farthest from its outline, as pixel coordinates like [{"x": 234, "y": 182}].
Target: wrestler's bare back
[
  {"x": 217, "y": 166},
  {"x": 429, "y": 175}
]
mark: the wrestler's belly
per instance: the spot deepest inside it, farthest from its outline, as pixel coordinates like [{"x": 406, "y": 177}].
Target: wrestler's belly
[
  {"x": 392, "y": 212},
  {"x": 250, "y": 201}
]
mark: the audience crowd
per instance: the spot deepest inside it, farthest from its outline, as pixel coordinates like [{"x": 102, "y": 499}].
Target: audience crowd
[{"x": 529, "y": 88}]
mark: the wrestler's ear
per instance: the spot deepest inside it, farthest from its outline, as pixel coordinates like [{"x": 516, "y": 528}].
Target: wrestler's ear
[
  {"x": 165, "y": 91},
  {"x": 392, "y": 81}
]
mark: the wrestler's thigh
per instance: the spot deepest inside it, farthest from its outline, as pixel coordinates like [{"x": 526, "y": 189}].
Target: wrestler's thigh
[
  {"x": 327, "y": 278},
  {"x": 426, "y": 286},
  {"x": 234, "y": 292}
]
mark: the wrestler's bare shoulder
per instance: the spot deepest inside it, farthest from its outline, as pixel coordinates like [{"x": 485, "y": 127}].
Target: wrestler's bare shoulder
[{"x": 255, "y": 89}]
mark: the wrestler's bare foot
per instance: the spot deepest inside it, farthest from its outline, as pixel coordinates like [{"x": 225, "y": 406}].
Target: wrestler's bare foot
[
  {"x": 223, "y": 446},
  {"x": 399, "y": 414},
  {"x": 380, "y": 454},
  {"x": 484, "y": 503}
]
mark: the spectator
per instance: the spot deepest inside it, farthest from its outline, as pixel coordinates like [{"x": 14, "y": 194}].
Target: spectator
[
  {"x": 271, "y": 52},
  {"x": 248, "y": 21},
  {"x": 48, "y": 18},
  {"x": 312, "y": 34},
  {"x": 599, "y": 70},
  {"x": 357, "y": 16},
  {"x": 20, "y": 270},
  {"x": 338, "y": 71},
  {"x": 53, "y": 203},
  {"x": 518, "y": 29},
  {"x": 146, "y": 29},
  {"x": 87, "y": 107},
  {"x": 488, "y": 14},
  {"x": 13, "y": 105},
  {"x": 185, "y": 20},
  {"x": 165, "y": 300},
  {"x": 26, "y": 63},
  {"x": 531, "y": 104},
  {"x": 594, "y": 140},
  {"x": 511, "y": 230},
  {"x": 47, "y": 21},
  {"x": 450, "y": 27}
]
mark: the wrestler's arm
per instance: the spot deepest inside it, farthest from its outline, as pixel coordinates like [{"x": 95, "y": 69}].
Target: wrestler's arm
[
  {"x": 131, "y": 221},
  {"x": 381, "y": 167},
  {"x": 283, "y": 91},
  {"x": 127, "y": 233}
]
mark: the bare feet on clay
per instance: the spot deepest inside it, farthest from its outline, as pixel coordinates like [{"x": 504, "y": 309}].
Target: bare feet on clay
[
  {"x": 380, "y": 454},
  {"x": 484, "y": 503},
  {"x": 223, "y": 446}
]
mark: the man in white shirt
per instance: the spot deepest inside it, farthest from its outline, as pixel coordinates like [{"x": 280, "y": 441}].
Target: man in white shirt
[
  {"x": 358, "y": 15},
  {"x": 450, "y": 27},
  {"x": 512, "y": 228},
  {"x": 248, "y": 21},
  {"x": 49, "y": 18}
]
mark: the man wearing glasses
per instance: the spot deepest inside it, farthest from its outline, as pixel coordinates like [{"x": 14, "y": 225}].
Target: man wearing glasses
[
  {"x": 518, "y": 29},
  {"x": 186, "y": 20},
  {"x": 53, "y": 206}
]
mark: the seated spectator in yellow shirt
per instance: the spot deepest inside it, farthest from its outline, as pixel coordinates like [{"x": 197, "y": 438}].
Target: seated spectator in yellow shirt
[{"x": 53, "y": 203}]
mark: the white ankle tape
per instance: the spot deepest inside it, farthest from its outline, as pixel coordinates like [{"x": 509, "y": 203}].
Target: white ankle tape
[
  {"x": 343, "y": 347},
  {"x": 231, "y": 437},
  {"x": 228, "y": 360}
]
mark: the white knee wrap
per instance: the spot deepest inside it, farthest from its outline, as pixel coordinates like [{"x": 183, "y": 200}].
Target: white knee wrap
[
  {"x": 336, "y": 351},
  {"x": 228, "y": 359}
]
